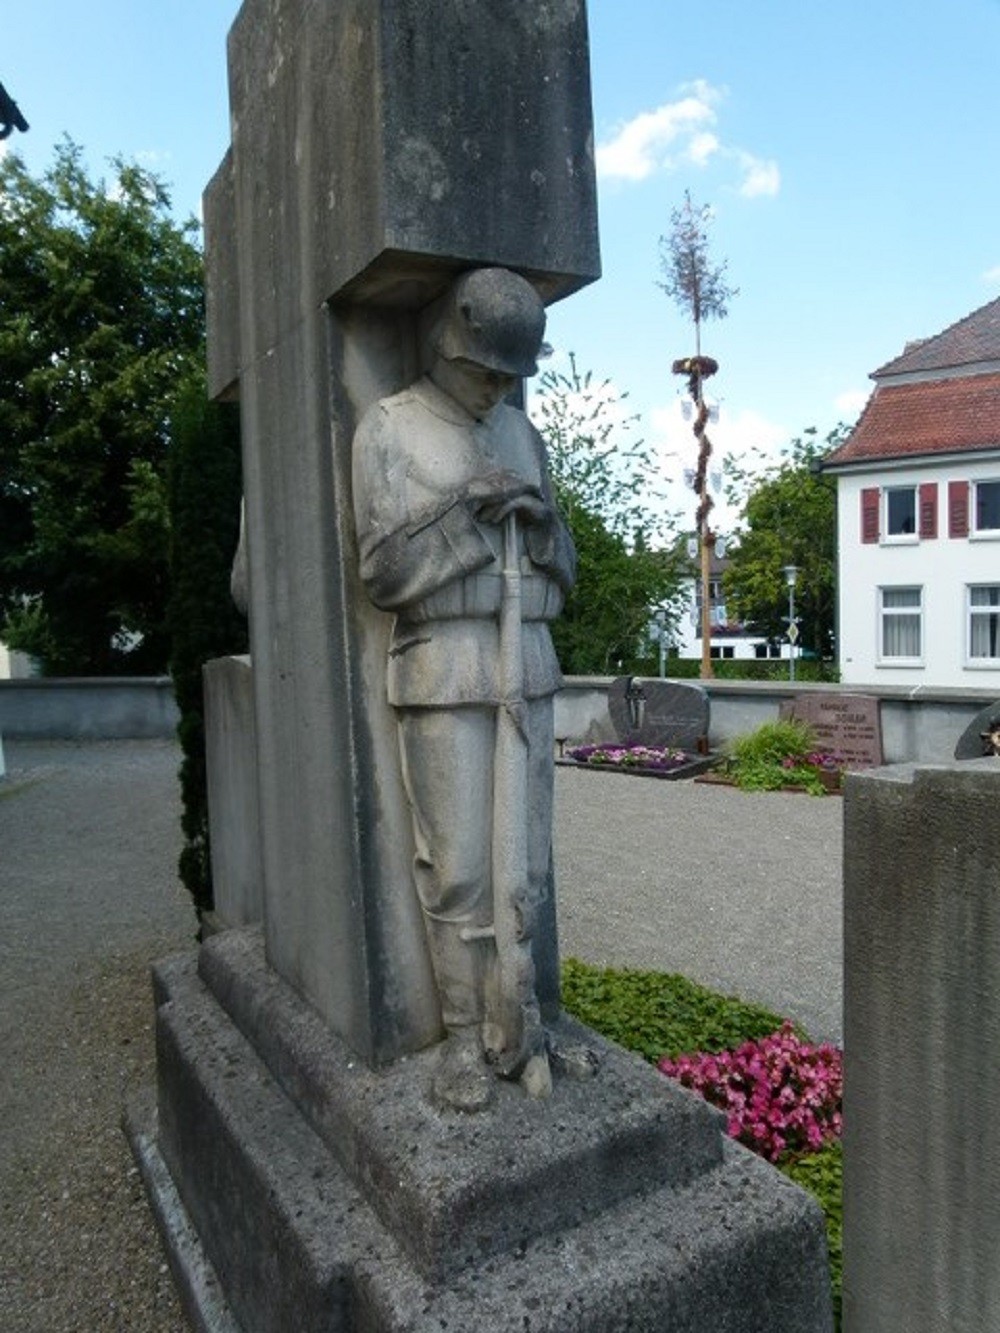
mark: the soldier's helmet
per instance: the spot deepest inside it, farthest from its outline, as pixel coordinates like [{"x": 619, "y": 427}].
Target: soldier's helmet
[{"x": 494, "y": 318}]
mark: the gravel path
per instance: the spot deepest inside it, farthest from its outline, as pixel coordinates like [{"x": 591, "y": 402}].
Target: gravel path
[
  {"x": 88, "y": 897},
  {"x": 740, "y": 892}
]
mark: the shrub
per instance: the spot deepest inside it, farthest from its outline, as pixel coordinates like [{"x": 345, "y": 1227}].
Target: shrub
[
  {"x": 205, "y": 489},
  {"x": 777, "y": 755},
  {"x": 821, "y": 1173}
]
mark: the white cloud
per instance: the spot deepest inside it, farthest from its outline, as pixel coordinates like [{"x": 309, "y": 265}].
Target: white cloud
[
  {"x": 760, "y": 177},
  {"x": 682, "y": 133},
  {"x": 657, "y": 140},
  {"x": 154, "y": 159},
  {"x": 851, "y": 401},
  {"x": 992, "y": 274},
  {"x": 701, "y": 148}
]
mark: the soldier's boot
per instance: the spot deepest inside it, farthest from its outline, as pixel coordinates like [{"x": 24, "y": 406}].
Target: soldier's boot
[{"x": 461, "y": 1079}]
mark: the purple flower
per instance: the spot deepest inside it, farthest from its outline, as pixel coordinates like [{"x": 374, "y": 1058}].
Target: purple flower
[{"x": 662, "y": 758}]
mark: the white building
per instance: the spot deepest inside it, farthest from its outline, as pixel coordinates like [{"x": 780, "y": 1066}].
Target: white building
[
  {"x": 729, "y": 639},
  {"x": 918, "y": 484}
]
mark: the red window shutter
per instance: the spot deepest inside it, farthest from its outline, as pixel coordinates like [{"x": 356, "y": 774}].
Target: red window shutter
[
  {"x": 928, "y": 510},
  {"x": 958, "y": 509},
  {"x": 869, "y": 514}
]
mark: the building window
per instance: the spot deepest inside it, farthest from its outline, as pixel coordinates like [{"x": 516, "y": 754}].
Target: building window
[
  {"x": 900, "y": 625},
  {"x": 726, "y": 651},
  {"x": 987, "y": 508},
  {"x": 984, "y": 623},
  {"x": 901, "y": 511}
]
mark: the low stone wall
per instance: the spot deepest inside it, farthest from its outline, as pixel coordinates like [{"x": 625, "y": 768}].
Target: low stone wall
[
  {"x": 112, "y": 708},
  {"x": 918, "y": 726}
]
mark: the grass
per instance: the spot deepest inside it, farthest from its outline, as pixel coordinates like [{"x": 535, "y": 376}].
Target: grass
[{"x": 656, "y": 1014}]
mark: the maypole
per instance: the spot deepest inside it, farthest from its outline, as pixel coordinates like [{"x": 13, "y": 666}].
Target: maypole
[
  {"x": 698, "y": 369},
  {"x": 700, "y": 290}
]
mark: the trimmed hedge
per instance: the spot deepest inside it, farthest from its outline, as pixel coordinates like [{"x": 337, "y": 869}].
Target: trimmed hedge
[{"x": 205, "y": 485}]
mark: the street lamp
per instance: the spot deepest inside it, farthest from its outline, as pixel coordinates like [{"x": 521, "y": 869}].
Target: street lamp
[{"x": 791, "y": 573}]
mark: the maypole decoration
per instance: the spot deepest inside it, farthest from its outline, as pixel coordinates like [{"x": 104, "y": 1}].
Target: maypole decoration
[
  {"x": 698, "y": 369},
  {"x": 699, "y": 288}
]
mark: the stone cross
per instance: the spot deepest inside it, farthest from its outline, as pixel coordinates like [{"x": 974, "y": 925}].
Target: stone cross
[{"x": 379, "y": 148}]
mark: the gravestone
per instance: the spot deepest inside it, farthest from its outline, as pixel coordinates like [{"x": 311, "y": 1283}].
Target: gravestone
[
  {"x": 656, "y": 712},
  {"x": 921, "y": 1024},
  {"x": 846, "y": 724},
  {"x": 300, "y": 1175},
  {"x": 982, "y": 735}
]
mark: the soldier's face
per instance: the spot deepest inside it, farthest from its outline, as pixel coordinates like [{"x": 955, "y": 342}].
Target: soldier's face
[{"x": 477, "y": 388}]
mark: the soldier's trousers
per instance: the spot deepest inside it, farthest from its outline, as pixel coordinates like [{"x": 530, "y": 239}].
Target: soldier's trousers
[{"x": 448, "y": 771}]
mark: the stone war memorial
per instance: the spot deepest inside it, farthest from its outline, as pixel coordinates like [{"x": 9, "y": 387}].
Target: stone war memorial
[{"x": 369, "y": 1112}]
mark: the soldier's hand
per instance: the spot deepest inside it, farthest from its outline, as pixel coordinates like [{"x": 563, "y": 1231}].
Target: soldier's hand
[
  {"x": 529, "y": 508},
  {"x": 496, "y": 494}
]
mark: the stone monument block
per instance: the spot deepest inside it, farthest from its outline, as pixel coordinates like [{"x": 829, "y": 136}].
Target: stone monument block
[
  {"x": 233, "y": 806},
  {"x": 320, "y": 1195},
  {"x": 380, "y": 148},
  {"x": 921, "y": 1020},
  {"x": 659, "y": 712}
]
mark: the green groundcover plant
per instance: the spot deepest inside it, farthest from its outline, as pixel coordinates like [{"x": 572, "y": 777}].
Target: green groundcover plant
[
  {"x": 779, "y": 755},
  {"x": 781, "y": 1094}
]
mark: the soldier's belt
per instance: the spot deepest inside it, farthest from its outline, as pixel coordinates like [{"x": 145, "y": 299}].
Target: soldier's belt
[{"x": 477, "y": 597}]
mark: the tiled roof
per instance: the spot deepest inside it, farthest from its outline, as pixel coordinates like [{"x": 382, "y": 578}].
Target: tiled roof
[
  {"x": 975, "y": 338},
  {"x": 927, "y": 417}
]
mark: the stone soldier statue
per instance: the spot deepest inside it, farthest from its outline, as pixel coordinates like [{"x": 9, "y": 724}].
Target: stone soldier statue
[{"x": 445, "y": 474}]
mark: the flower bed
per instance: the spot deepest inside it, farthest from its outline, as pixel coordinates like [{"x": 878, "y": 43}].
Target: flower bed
[
  {"x": 641, "y": 760},
  {"x": 781, "y": 1095},
  {"x": 782, "y": 756}
]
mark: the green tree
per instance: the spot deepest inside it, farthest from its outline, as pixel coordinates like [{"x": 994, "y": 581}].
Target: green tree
[
  {"x": 101, "y": 322},
  {"x": 788, "y": 517},
  {"x": 609, "y": 490},
  {"x": 205, "y": 486}
]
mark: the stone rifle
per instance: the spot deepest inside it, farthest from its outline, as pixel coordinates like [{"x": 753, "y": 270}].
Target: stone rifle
[{"x": 522, "y": 1050}]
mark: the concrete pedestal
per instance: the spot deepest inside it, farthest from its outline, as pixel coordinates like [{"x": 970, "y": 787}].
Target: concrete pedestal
[{"x": 296, "y": 1188}]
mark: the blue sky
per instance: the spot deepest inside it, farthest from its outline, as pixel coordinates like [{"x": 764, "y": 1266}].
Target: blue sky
[{"x": 849, "y": 153}]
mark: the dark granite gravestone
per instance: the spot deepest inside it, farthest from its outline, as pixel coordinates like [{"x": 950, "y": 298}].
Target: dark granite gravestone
[
  {"x": 656, "y": 712},
  {"x": 846, "y": 724},
  {"x": 981, "y": 736}
]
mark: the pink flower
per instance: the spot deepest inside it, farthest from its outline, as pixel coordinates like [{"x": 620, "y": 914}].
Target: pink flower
[{"x": 781, "y": 1095}]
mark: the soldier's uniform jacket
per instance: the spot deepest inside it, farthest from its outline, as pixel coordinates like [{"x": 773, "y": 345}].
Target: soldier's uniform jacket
[{"x": 425, "y": 557}]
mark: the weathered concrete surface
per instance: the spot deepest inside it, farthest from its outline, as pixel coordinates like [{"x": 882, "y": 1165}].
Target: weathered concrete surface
[
  {"x": 922, "y": 1025},
  {"x": 233, "y": 804},
  {"x": 616, "y": 1205}
]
